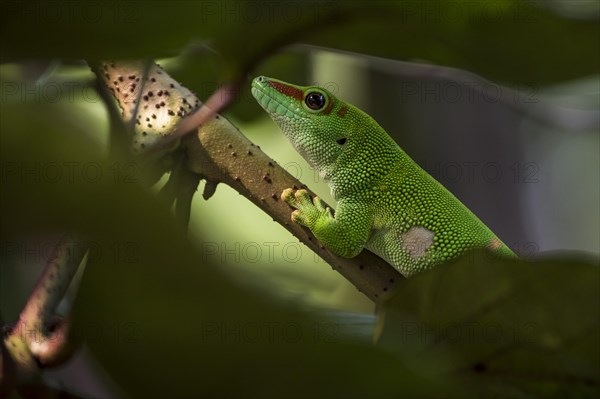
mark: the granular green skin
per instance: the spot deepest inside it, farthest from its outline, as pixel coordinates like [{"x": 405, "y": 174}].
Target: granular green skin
[{"x": 386, "y": 202}]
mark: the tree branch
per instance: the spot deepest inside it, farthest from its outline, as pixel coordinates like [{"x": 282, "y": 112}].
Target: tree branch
[
  {"x": 219, "y": 153},
  {"x": 40, "y": 338}
]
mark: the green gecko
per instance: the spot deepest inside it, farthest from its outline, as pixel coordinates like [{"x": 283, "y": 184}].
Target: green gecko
[{"x": 386, "y": 202}]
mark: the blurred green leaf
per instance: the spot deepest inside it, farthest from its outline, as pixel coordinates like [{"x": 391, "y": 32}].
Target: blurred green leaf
[
  {"x": 158, "y": 317},
  {"x": 503, "y": 40},
  {"x": 168, "y": 325},
  {"x": 513, "y": 329}
]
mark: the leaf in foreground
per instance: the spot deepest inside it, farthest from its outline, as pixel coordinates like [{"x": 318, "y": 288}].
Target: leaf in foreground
[{"x": 514, "y": 329}]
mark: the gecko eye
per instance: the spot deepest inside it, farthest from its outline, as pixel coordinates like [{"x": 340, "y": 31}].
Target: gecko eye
[
  {"x": 341, "y": 141},
  {"x": 315, "y": 100}
]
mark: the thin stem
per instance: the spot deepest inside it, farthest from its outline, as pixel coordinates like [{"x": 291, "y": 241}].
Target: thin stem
[{"x": 31, "y": 336}]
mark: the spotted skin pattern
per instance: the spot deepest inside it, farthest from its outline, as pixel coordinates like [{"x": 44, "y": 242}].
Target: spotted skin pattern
[{"x": 386, "y": 202}]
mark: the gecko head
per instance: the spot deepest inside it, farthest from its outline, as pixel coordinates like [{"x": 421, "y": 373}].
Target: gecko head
[{"x": 322, "y": 128}]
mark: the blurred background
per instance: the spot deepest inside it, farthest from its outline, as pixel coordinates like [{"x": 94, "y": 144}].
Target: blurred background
[{"x": 524, "y": 157}]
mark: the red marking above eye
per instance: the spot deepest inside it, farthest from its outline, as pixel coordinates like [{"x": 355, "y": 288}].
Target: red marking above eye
[
  {"x": 329, "y": 107},
  {"x": 287, "y": 90}
]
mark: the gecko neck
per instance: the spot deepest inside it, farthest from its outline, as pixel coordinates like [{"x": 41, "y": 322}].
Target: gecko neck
[{"x": 347, "y": 180}]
